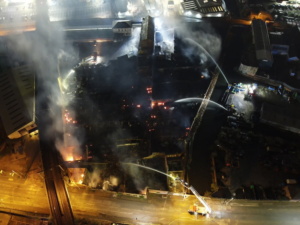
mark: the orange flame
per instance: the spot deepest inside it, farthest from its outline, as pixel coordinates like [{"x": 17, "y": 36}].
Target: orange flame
[{"x": 69, "y": 158}]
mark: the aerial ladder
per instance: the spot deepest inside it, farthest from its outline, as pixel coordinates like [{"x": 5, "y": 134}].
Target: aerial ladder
[{"x": 198, "y": 196}]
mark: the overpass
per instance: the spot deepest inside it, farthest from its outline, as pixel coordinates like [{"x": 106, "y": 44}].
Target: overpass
[{"x": 60, "y": 207}]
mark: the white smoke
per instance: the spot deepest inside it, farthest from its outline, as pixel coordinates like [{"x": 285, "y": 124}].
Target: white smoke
[
  {"x": 154, "y": 7},
  {"x": 130, "y": 47},
  {"x": 45, "y": 49},
  {"x": 203, "y": 34},
  {"x": 134, "y": 8},
  {"x": 95, "y": 178}
]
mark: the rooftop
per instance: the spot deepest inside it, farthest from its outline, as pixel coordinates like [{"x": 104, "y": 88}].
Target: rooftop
[
  {"x": 286, "y": 118},
  {"x": 17, "y": 99},
  {"x": 122, "y": 24}
]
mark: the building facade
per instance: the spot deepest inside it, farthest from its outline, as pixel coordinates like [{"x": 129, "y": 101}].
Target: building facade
[
  {"x": 17, "y": 101},
  {"x": 203, "y": 8}
]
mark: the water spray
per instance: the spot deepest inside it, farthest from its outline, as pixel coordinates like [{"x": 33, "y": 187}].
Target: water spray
[
  {"x": 183, "y": 183},
  {"x": 200, "y": 99},
  {"x": 149, "y": 168},
  {"x": 210, "y": 56},
  {"x": 198, "y": 196}
]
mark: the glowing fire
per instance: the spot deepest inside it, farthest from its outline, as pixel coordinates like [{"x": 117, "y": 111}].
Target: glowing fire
[
  {"x": 144, "y": 191},
  {"x": 157, "y": 103},
  {"x": 69, "y": 158},
  {"x": 69, "y": 154},
  {"x": 68, "y": 118},
  {"x": 77, "y": 175},
  {"x": 149, "y": 90}
]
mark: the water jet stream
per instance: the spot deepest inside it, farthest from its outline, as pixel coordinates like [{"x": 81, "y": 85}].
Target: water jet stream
[
  {"x": 209, "y": 55},
  {"x": 197, "y": 99},
  {"x": 183, "y": 183},
  {"x": 149, "y": 168}
]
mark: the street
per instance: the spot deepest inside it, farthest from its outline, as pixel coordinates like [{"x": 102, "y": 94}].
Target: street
[
  {"x": 18, "y": 194},
  {"x": 100, "y": 205}
]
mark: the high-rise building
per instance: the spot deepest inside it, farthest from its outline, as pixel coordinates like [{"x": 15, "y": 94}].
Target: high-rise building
[
  {"x": 203, "y": 8},
  {"x": 17, "y": 101}
]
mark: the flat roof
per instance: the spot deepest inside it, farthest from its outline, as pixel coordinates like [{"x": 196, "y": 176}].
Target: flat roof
[
  {"x": 204, "y": 6},
  {"x": 286, "y": 118},
  {"x": 17, "y": 99},
  {"x": 147, "y": 31},
  {"x": 261, "y": 40}
]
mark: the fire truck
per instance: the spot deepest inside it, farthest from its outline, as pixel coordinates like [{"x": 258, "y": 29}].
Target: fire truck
[{"x": 196, "y": 209}]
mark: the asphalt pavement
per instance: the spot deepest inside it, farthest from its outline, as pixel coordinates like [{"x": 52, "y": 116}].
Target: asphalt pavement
[
  {"x": 102, "y": 206},
  {"x": 19, "y": 194},
  {"x": 171, "y": 209}
]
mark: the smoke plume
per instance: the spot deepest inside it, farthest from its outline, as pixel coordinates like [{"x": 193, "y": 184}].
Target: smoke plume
[
  {"x": 45, "y": 49},
  {"x": 201, "y": 32}
]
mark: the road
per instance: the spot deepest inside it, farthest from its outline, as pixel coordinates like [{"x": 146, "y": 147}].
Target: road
[
  {"x": 259, "y": 212},
  {"x": 60, "y": 207},
  {"x": 18, "y": 194},
  {"x": 107, "y": 206},
  {"x": 102, "y": 205},
  {"x": 61, "y": 210},
  {"x": 173, "y": 209}
]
